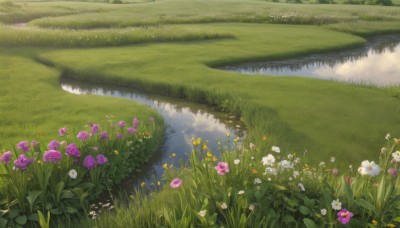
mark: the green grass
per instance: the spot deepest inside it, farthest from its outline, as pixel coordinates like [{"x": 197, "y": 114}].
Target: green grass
[
  {"x": 324, "y": 117},
  {"x": 34, "y": 107}
]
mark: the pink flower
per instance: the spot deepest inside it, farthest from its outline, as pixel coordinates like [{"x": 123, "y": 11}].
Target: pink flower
[
  {"x": 22, "y": 162},
  {"x": 392, "y": 172},
  {"x": 53, "y": 145},
  {"x": 35, "y": 144},
  {"x": 24, "y": 146},
  {"x": 344, "y": 216},
  {"x": 222, "y": 168},
  {"x": 335, "y": 172},
  {"x": 63, "y": 131},
  {"x": 104, "y": 135},
  {"x": 89, "y": 162},
  {"x": 152, "y": 120},
  {"x": 131, "y": 130},
  {"x": 72, "y": 151},
  {"x": 101, "y": 159},
  {"x": 135, "y": 122},
  {"x": 83, "y": 135},
  {"x": 176, "y": 183},
  {"x": 121, "y": 124},
  {"x": 52, "y": 156},
  {"x": 6, "y": 157},
  {"x": 95, "y": 129}
]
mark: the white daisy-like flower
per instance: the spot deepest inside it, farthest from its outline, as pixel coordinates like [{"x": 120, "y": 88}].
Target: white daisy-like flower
[
  {"x": 336, "y": 205},
  {"x": 296, "y": 174},
  {"x": 301, "y": 186},
  {"x": 276, "y": 149},
  {"x": 369, "y": 168},
  {"x": 333, "y": 159},
  {"x": 268, "y": 160},
  {"x": 323, "y": 211},
  {"x": 290, "y": 156},
  {"x": 237, "y": 161},
  {"x": 251, "y": 207},
  {"x": 223, "y": 205},
  {"x": 252, "y": 146},
  {"x": 297, "y": 160},
  {"x": 257, "y": 181},
  {"x": 387, "y": 137},
  {"x": 396, "y": 156},
  {"x": 202, "y": 213},
  {"x": 285, "y": 164},
  {"x": 241, "y": 192},
  {"x": 73, "y": 174},
  {"x": 322, "y": 164},
  {"x": 271, "y": 171}
]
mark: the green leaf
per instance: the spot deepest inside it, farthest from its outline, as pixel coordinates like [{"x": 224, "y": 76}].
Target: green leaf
[
  {"x": 397, "y": 219},
  {"x": 56, "y": 211},
  {"x": 32, "y": 196},
  {"x": 3, "y": 222},
  {"x": 309, "y": 223},
  {"x": 304, "y": 210},
  {"x": 288, "y": 219},
  {"x": 71, "y": 210},
  {"x": 13, "y": 213},
  {"x": 67, "y": 194},
  {"x": 59, "y": 188},
  {"x": 365, "y": 204},
  {"x": 33, "y": 217},
  {"x": 21, "y": 220}
]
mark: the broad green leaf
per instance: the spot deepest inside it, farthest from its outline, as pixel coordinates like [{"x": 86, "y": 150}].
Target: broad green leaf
[
  {"x": 365, "y": 204},
  {"x": 288, "y": 219},
  {"x": 71, "y": 210},
  {"x": 397, "y": 219},
  {"x": 304, "y": 210},
  {"x": 67, "y": 195},
  {"x": 3, "y": 222},
  {"x": 33, "y": 217},
  {"x": 21, "y": 220},
  {"x": 309, "y": 223},
  {"x": 32, "y": 196}
]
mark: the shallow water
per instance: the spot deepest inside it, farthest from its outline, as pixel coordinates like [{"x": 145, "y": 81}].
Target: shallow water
[
  {"x": 184, "y": 120},
  {"x": 376, "y": 63}
]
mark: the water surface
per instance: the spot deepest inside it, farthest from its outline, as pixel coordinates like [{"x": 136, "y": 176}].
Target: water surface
[{"x": 375, "y": 63}]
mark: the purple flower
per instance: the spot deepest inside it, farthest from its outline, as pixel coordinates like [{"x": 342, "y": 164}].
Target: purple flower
[
  {"x": 83, "y": 135},
  {"x": 53, "y": 145},
  {"x": 24, "y": 146},
  {"x": 120, "y": 136},
  {"x": 104, "y": 135},
  {"x": 391, "y": 171},
  {"x": 101, "y": 159},
  {"x": 52, "y": 156},
  {"x": 34, "y": 144},
  {"x": 63, "y": 131},
  {"x": 222, "y": 168},
  {"x": 152, "y": 120},
  {"x": 6, "y": 157},
  {"x": 131, "y": 130},
  {"x": 121, "y": 124},
  {"x": 344, "y": 216},
  {"x": 95, "y": 129},
  {"x": 72, "y": 151},
  {"x": 135, "y": 122},
  {"x": 176, "y": 183},
  {"x": 89, "y": 162},
  {"x": 22, "y": 162}
]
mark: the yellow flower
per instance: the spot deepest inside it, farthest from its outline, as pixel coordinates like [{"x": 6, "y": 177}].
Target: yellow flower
[
  {"x": 209, "y": 154},
  {"x": 228, "y": 135},
  {"x": 214, "y": 158},
  {"x": 391, "y": 225},
  {"x": 254, "y": 171},
  {"x": 205, "y": 147},
  {"x": 198, "y": 141},
  {"x": 171, "y": 166},
  {"x": 264, "y": 138},
  {"x": 374, "y": 222},
  {"x": 142, "y": 184},
  {"x": 158, "y": 183},
  {"x": 396, "y": 141},
  {"x": 236, "y": 139},
  {"x": 116, "y": 152},
  {"x": 165, "y": 166},
  {"x": 173, "y": 155}
]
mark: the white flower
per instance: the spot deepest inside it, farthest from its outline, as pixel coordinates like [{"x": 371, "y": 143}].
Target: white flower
[
  {"x": 268, "y": 160},
  {"x": 252, "y": 158},
  {"x": 333, "y": 159},
  {"x": 396, "y": 156},
  {"x": 269, "y": 178},
  {"x": 285, "y": 164},
  {"x": 296, "y": 174},
  {"x": 290, "y": 179},
  {"x": 252, "y": 146},
  {"x": 301, "y": 186},
  {"x": 369, "y": 168},
  {"x": 290, "y": 156},
  {"x": 276, "y": 149},
  {"x": 241, "y": 192},
  {"x": 236, "y": 161},
  {"x": 323, "y": 211},
  {"x": 224, "y": 206},
  {"x": 257, "y": 181},
  {"x": 297, "y": 160},
  {"x": 336, "y": 205},
  {"x": 73, "y": 174},
  {"x": 271, "y": 171},
  {"x": 322, "y": 164},
  {"x": 387, "y": 137},
  {"x": 251, "y": 207},
  {"x": 202, "y": 213}
]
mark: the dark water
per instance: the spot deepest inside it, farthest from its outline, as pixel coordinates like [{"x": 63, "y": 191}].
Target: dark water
[
  {"x": 376, "y": 63},
  {"x": 184, "y": 120}
]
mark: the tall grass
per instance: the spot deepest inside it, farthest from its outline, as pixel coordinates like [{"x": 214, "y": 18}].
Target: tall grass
[{"x": 11, "y": 36}]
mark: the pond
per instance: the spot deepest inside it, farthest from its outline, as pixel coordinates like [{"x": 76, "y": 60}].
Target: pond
[
  {"x": 184, "y": 120},
  {"x": 375, "y": 63}
]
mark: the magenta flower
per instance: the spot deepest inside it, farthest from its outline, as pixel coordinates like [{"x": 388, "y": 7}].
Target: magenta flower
[
  {"x": 34, "y": 144},
  {"x": 83, "y": 135},
  {"x": 104, "y": 135},
  {"x": 63, "y": 131},
  {"x": 344, "y": 216},
  {"x": 53, "y": 145},
  {"x": 176, "y": 183},
  {"x": 89, "y": 162},
  {"x": 6, "y": 157},
  {"x": 391, "y": 171},
  {"x": 135, "y": 122},
  {"x": 52, "y": 156},
  {"x": 72, "y": 151},
  {"x": 222, "y": 168},
  {"x": 24, "y": 146},
  {"x": 335, "y": 172},
  {"x": 120, "y": 136},
  {"x": 131, "y": 130},
  {"x": 121, "y": 124},
  {"x": 95, "y": 129},
  {"x": 101, "y": 159},
  {"x": 152, "y": 120},
  {"x": 22, "y": 162}
]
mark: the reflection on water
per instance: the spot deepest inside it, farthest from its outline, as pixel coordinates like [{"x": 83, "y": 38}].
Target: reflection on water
[
  {"x": 183, "y": 120},
  {"x": 377, "y": 63}
]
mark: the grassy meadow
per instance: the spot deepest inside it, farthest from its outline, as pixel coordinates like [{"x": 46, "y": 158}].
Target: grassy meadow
[{"x": 172, "y": 47}]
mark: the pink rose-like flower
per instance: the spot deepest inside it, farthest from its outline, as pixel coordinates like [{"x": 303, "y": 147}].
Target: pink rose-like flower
[
  {"x": 344, "y": 216},
  {"x": 222, "y": 168},
  {"x": 83, "y": 135},
  {"x": 24, "y": 146},
  {"x": 63, "y": 131},
  {"x": 52, "y": 156},
  {"x": 53, "y": 145},
  {"x": 176, "y": 183},
  {"x": 6, "y": 157},
  {"x": 89, "y": 162},
  {"x": 72, "y": 151},
  {"x": 101, "y": 159}
]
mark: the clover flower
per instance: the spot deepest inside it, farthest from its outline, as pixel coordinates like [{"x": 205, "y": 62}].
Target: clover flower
[
  {"x": 391, "y": 171},
  {"x": 23, "y": 146},
  {"x": 121, "y": 124},
  {"x": 72, "y": 151},
  {"x": 22, "y": 162},
  {"x": 135, "y": 122},
  {"x": 104, "y": 135},
  {"x": 175, "y": 183},
  {"x": 95, "y": 129},
  {"x": 62, "y": 131},
  {"x": 52, "y": 156},
  {"x": 237, "y": 161},
  {"x": 83, "y": 135},
  {"x": 53, "y": 145},
  {"x": 101, "y": 159},
  {"x": 202, "y": 213},
  {"x": 131, "y": 130},
  {"x": 6, "y": 157},
  {"x": 323, "y": 211},
  {"x": 89, "y": 162},
  {"x": 257, "y": 181}
]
